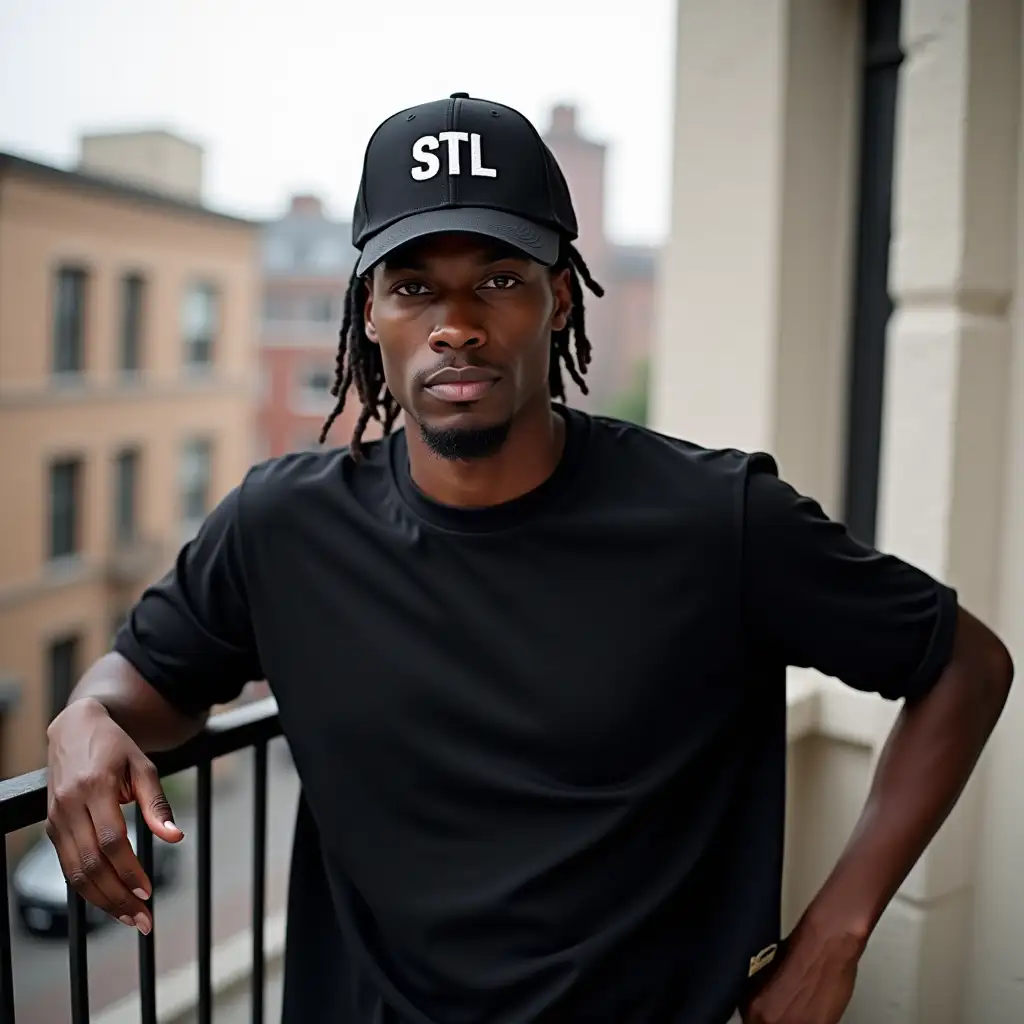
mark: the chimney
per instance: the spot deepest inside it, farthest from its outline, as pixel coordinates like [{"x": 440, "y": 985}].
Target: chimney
[
  {"x": 563, "y": 121},
  {"x": 583, "y": 163},
  {"x": 306, "y": 205},
  {"x": 156, "y": 160}
]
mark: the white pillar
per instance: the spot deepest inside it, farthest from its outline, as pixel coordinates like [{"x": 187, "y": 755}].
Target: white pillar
[
  {"x": 944, "y": 452},
  {"x": 753, "y": 300}
]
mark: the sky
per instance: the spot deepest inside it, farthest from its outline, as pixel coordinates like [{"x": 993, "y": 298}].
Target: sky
[{"x": 284, "y": 95}]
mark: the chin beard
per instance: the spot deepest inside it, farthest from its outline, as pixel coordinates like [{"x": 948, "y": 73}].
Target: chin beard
[{"x": 465, "y": 443}]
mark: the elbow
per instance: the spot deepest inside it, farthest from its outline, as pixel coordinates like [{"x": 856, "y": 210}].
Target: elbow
[
  {"x": 994, "y": 669},
  {"x": 983, "y": 663},
  {"x": 1001, "y": 671}
]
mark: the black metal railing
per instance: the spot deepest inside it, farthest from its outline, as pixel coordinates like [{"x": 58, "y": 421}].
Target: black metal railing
[{"x": 23, "y": 803}]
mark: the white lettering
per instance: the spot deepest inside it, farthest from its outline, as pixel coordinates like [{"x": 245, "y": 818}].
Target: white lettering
[
  {"x": 477, "y": 168},
  {"x": 430, "y": 165},
  {"x": 421, "y": 154},
  {"x": 453, "y": 139}
]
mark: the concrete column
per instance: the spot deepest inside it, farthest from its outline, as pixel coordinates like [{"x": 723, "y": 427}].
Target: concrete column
[
  {"x": 752, "y": 323},
  {"x": 944, "y": 451}
]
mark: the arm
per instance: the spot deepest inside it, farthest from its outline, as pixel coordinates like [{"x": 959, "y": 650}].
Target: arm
[
  {"x": 187, "y": 645},
  {"x": 927, "y": 760},
  {"x": 817, "y": 597},
  {"x": 113, "y": 686}
]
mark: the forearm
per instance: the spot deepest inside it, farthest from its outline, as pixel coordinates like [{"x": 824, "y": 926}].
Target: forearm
[
  {"x": 114, "y": 685},
  {"x": 926, "y": 762}
]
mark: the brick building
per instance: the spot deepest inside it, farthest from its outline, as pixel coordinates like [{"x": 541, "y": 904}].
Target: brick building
[
  {"x": 126, "y": 401},
  {"x": 307, "y": 260},
  {"x": 620, "y": 324}
]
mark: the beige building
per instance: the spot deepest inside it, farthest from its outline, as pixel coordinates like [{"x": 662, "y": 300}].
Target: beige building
[
  {"x": 844, "y": 287},
  {"x": 127, "y": 389}
]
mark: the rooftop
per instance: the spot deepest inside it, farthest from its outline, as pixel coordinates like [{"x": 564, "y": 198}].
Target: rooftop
[{"x": 110, "y": 187}]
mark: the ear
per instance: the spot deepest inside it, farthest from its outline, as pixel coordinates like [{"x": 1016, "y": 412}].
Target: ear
[
  {"x": 371, "y": 330},
  {"x": 563, "y": 300}
]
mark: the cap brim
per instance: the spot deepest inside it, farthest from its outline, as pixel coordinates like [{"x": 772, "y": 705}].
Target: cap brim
[{"x": 538, "y": 243}]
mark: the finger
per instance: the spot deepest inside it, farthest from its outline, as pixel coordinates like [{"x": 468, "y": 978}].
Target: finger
[
  {"x": 112, "y": 838},
  {"x": 150, "y": 796},
  {"x": 94, "y": 878},
  {"x": 70, "y": 864}
]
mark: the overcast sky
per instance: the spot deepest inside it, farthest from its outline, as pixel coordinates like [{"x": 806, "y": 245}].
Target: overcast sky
[{"x": 283, "y": 96}]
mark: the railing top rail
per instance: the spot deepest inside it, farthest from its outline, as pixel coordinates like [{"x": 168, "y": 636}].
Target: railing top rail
[{"x": 23, "y": 799}]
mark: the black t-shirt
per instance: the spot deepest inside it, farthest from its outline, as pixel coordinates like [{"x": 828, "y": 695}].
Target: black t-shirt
[{"x": 541, "y": 745}]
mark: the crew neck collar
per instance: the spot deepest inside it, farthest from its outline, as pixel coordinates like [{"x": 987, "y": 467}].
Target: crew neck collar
[{"x": 492, "y": 518}]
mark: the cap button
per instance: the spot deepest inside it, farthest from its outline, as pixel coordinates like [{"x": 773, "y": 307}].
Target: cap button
[{"x": 459, "y": 96}]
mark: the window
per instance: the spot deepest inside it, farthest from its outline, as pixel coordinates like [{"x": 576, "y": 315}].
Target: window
[
  {"x": 132, "y": 294},
  {"x": 200, "y": 323},
  {"x": 320, "y": 309},
  {"x": 126, "y": 480},
  {"x": 69, "y": 321},
  {"x": 63, "y": 666},
  {"x": 65, "y": 497},
  {"x": 196, "y": 466},
  {"x": 313, "y": 393},
  {"x": 277, "y": 308}
]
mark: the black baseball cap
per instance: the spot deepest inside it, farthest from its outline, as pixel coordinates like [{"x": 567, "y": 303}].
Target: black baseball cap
[{"x": 465, "y": 165}]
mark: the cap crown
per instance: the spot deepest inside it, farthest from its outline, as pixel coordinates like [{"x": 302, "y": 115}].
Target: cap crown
[{"x": 459, "y": 152}]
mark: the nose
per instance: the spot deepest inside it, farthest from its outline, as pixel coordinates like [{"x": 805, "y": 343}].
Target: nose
[{"x": 456, "y": 331}]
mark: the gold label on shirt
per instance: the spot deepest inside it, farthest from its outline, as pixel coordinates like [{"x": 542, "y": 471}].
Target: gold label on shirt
[{"x": 763, "y": 959}]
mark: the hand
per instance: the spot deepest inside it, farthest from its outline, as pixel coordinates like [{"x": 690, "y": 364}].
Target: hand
[
  {"x": 813, "y": 984},
  {"x": 94, "y": 767}
]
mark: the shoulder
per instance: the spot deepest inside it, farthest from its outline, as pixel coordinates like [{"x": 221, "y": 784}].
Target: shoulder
[
  {"x": 670, "y": 463},
  {"x": 277, "y": 487}
]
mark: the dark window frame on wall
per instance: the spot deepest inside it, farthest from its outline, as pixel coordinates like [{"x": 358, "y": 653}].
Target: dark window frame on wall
[
  {"x": 131, "y": 350},
  {"x": 127, "y": 463},
  {"x": 70, "y": 306},
  {"x": 65, "y": 482},
  {"x": 202, "y": 300},
  {"x": 872, "y": 304},
  {"x": 195, "y": 500},
  {"x": 63, "y": 669}
]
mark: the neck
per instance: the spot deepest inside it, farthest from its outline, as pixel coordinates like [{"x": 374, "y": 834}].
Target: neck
[{"x": 526, "y": 459}]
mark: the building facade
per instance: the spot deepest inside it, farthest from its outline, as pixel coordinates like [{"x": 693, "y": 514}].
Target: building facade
[
  {"x": 307, "y": 259},
  {"x": 843, "y": 287},
  {"x": 620, "y": 323},
  {"x": 127, "y": 390}
]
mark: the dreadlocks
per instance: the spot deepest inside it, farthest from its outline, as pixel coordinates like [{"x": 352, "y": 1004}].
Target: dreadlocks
[{"x": 359, "y": 360}]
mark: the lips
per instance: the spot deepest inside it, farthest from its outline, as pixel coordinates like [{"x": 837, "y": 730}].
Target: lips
[{"x": 461, "y": 384}]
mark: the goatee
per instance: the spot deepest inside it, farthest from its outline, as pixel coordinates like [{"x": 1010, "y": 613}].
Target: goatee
[{"x": 463, "y": 444}]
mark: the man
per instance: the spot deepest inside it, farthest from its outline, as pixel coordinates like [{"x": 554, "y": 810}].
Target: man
[{"x": 530, "y": 663}]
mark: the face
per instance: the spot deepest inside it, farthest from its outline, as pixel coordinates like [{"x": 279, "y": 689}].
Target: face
[{"x": 464, "y": 329}]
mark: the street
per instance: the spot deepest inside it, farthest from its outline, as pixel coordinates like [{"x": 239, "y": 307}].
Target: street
[{"x": 41, "y": 965}]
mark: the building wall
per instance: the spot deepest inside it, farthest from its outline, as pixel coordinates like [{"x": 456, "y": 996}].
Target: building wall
[
  {"x": 752, "y": 340},
  {"x": 44, "y": 222},
  {"x": 288, "y": 420},
  {"x": 618, "y": 323}
]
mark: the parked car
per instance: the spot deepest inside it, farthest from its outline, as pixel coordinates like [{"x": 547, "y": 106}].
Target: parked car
[{"x": 40, "y": 893}]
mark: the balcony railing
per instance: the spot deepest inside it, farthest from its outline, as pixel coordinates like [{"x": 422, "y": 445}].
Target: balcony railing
[{"x": 23, "y": 803}]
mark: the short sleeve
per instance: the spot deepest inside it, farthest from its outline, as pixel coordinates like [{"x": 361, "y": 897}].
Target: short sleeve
[
  {"x": 819, "y": 598},
  {"x": 190, "y": 635}
]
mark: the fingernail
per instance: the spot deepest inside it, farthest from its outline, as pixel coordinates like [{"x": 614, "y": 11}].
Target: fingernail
[
  {"x": 126, "y": 920},
  {"x": 141, "y": 893},
  {"x": 171, "y": 827},
  {"x": 142, "y": 924}
]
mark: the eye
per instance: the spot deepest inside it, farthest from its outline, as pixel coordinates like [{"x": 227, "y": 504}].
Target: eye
[
  {"x": 411, "y": 288},
  {"x": 502, "y": 282}
]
